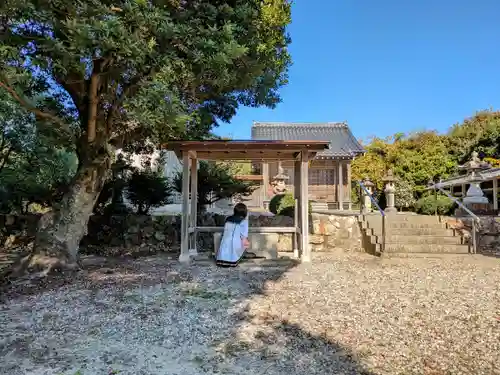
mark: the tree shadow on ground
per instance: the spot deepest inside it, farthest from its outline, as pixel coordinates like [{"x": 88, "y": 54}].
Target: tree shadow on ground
[
  {"x": 271, "y": 346},
  {"x": 281, "y": 347}
]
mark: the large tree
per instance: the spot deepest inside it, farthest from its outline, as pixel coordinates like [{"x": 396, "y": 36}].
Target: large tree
[
  {"x": 414, "y": 158},
  {"x": 480, "y": 133},
  {"x": 132, "y": 70}
]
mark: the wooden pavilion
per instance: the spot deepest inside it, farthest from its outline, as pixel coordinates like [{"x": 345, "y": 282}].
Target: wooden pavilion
[{"x": 298, "y": 152}]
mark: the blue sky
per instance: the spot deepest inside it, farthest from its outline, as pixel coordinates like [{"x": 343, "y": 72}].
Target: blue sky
[{"x": 387, "y": 66}]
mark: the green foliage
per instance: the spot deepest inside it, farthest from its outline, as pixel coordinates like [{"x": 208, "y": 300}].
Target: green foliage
[
  {"x": 274, "y": 203},
  {"x": 146, "y": 190},
  {"x": 480, "y": 133},
  {"x": 415, "y": 158},
  {"x": 164, "y": 71},
  {"x": 430, "y": 204},
  {"x": 216, "y": 181},
  {"x": 284, "y": 205},
  {"x": 32, "y": 169}
]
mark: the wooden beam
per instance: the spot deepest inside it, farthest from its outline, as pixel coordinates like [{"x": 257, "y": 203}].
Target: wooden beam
[
  {"x": 265, "y": 181},
  {"x": 194, "y": 202},
  {"x": 495, "y": 194},
  {"x": 349, "y": 182},
  {"x": 340, "y": 185},
  {"x": 184, "y": 256},
  {"x": 304, "y": 208},
  {"x": 250, "y": 230},
  {"x": 296, "y": 193}
]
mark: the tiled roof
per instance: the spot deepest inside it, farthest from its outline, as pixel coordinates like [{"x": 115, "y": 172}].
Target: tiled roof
[{"x": 342, "y": 141}]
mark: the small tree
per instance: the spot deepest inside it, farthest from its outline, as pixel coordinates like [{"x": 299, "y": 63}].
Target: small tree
[
  {"x": 216, "y": 182},
  {"x": 147, "y": 190},
  {"x": 405, "y": 194},
  {"x": 431, "y": 204}
]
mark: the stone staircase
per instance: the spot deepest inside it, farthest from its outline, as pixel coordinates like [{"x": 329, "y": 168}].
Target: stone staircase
[{"x": 411, "y": 234}]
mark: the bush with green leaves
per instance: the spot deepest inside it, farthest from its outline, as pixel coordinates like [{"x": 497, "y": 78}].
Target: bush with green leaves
[
  {"x": 216, "y": 181},
  {"x": 284, "y": 205},
  {"x": 146, "y": 190},
  {"x": 430, "y": 204}
]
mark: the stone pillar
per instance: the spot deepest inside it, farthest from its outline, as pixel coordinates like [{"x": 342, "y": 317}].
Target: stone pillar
[
  {"x": 365, "y": 197},
  {"x": 474, "y": 167},
  {"x": 389, "y": 191}
]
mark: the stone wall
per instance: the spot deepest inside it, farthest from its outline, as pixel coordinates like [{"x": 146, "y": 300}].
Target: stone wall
[
  {"x": 331, "y": 232},
  {"x": 157, "y": 233},
  {"x": 147, "y": 234},
  {"x": 488, "y": 237}
]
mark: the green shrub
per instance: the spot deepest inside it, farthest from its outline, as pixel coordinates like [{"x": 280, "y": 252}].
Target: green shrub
[
  {"x": 430, "y": 204},
  {"x": 274, "y": 203},
  {"x": 284, "y": 205},
  {"x": 146, "y": 190}
]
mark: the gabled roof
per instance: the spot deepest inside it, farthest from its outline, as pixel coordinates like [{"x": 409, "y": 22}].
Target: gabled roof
[{"x": 342, "y": 142}]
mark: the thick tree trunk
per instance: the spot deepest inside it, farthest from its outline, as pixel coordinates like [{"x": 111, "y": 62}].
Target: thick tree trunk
[{"x": 60, "y": 231}]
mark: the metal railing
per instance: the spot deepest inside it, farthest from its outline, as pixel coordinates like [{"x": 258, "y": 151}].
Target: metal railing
[
  {"x": 366, "y": 192},
  {"x": 475, "y": 219}
]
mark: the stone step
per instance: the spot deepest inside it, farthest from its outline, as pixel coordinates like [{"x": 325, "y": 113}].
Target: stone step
[
  {"x": 404, "y": 225},
  {"x": 444, "y": 256},
  {"x": 418, "y": 240},
  {"x": 404, "y": 218},
  {"x": 424, "y": 248},
  {"x": 444, "y": 232}
]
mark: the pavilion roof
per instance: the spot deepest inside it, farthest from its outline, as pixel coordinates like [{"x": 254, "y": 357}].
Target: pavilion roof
[
  {"x": 247, "y": 149},
  {"x": 486, "y": 175}
]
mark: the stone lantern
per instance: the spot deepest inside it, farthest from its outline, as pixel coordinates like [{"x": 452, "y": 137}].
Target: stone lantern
[
  {"x": 279, "y": 181},
  {"x": 367, "y": 202},
  {"x": 390, "y": 189},
  {"x": 473, "y": 167}
]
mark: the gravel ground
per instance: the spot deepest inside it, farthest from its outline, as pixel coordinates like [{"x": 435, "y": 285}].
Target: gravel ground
[{"x": 342, "y": 314}]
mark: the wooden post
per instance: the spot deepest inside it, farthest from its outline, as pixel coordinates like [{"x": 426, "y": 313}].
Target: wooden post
[
  {"x": 340, "y": 186},
  {"x": 304, "y": 206},
  {"x": 265, "y": 183},
  {"x": 184, "y": 256},
  {"x": 463, "y": 191},
  {"x": 495, "y": 193},
  {"x": 297, "y": 251},
  {"x": 349, "y": 186},
  {"x": 194, "y": 204}
]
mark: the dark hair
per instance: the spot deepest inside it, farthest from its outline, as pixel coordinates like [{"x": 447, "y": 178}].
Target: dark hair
[{"x": 240, "y": 211}]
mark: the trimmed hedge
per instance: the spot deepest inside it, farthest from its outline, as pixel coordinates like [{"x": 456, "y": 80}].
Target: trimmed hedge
[{"x": 430, "y": 204}]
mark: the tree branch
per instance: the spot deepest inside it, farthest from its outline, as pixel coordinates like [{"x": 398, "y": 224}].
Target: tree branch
[
  {"x": 37, "y": 112},
  {"x": 93, "y": 102},
  {"x": 5, "y": 158}
]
